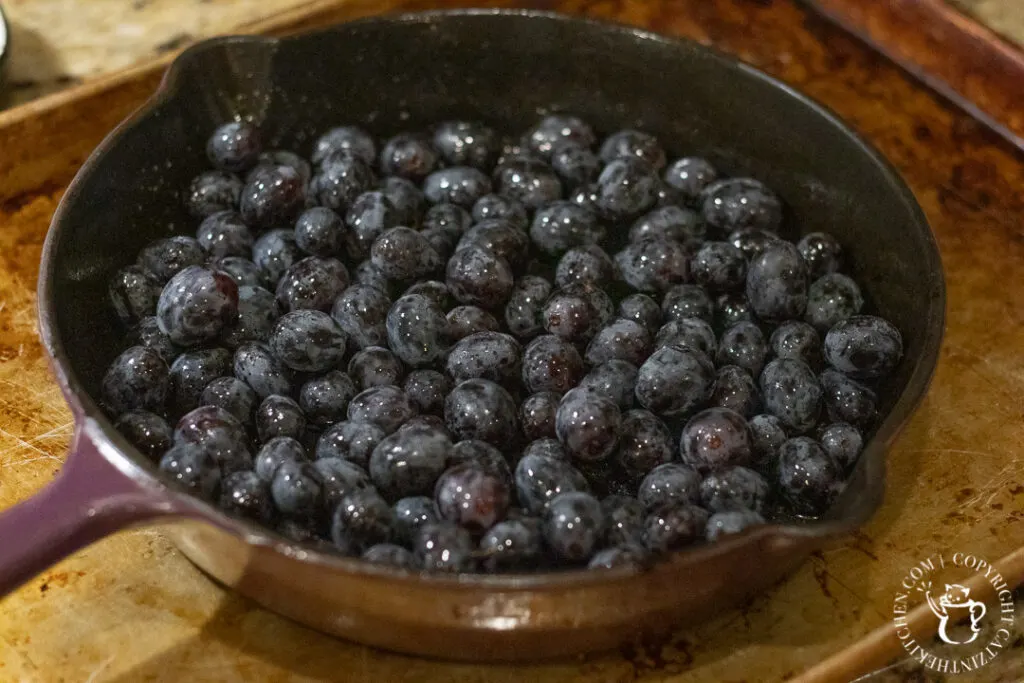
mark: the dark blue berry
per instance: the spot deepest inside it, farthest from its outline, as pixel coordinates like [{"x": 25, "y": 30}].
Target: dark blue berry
[
  {"x": 586, "y": 264},
  {"x": 282, "y": 157},
  {"x": 165, "y": 258},
  {"x": 619, "y": 340},
  {"x": 551, "y": 364},
  {"x": 225, "y": 234},
  {"x": 575, "y": 165},
  {"x": 481, "y": 409},
  {"x": 797, "y": 340},
  {"x": 512, "y": 545},
  {"x": 350, "y": 139},
  {"x": 477, "y": 276},
  {"x": 714, "y": 439},
  {"x": 620, "y": 557},
  {"x": 766, "y": 435},
  {"x": 369, "y": 215},
  {"x": 736, "y": 389},
  {"x": 574, "y": 526},
  {"x": 537, "y": 415},
  {"x": 547, "y": 447},
  {"x": 231, "y": 394},
  {"x": 690, "y": 175},
  {"x": 562, "y": 225},
  {"x": 501, "y": 238},
  {"x": 669, "y": 483},
  {"x": 525, "y": 303},
  {"x": 529, "y": 181},
  {"x": 736, "y": 203},
  {"x": 342, "y": 178},
  {"x": 408, "y": 155},
  {"x": 197, "y": 305},
  {"x": 641, "y": 309},
  {"x": 385, "y": 406},
  {"x": 137, "y": 379},
  {"x": 274, "y": 252},
  {"x": 243, "y": 271},
  {"x": 576, "y": 312},
  {"x": 352, "y": 441},
  {"x": 192, "y": 469},
  {"x": 261, "y": 370},
  {"x": 847, "y": 400},
  {"x": 320, "y": 232},
  {"x": 312, "y": 283},
  {"x": 340, "y": 478},
  {"x": 674, "y": 526},
  {"x": 460, "y": 185},
  {"x": 731, "y": 522},
  {"x": 730, "y": 309},
  {"x": 361, "y": 312},
  {"x": 466, "y": 143},
  {"x": 482, "y": 455},
  {"x": 443, "y": 547},
  {"x": 273, "y": 197},
  {"x": 375, "y": 366},
  {"x": 864, "y": 347},
  {"x": 496, "y": 206},
  {"x": 412, "y": 513},
  {"x": 361, "y": 520},
  {"x": 244, "y": 494},
  {"x": 147, "y": 431},
  {"x": 744, "y": 345},
  {"x": 390, "y": 554},
  {"x": 719, "y": 267},
  {"x": 217, "y": 432},
  {"x": 735, "y": 488},
  {"x": 407, "y": 200},
  {"x": 417, "y": 330},
  {"x": 777, "y": 283},
  {"x": 213, "y": 191},
  {"x": 624, "y": 520},
  {"x": 191, "y": 372},
  {"x": 297, "y": 491},
  {"x": 556, "y": 129},
  {"x": 645, "y": 442},
  {"x": 670, "y": 223},
  {"x": 134, "y": 293},
  {"x": 626, "y": 188},
  {"x": 234, "y": 146},
  {"x": 588, "y": 425},
  {"x": 427, "y": 389},
  {"x": 674, "y": 381},
  {"x": 472, "y": 496},
  {"x": 653, "y": 264},
  {"x": 843, "y": 442},
  {"x": 751, "y": 241},
  {"x": 615, "y": 380},
  {"x": 822, "y": 253},
  {"x": 489, "y": 355},
  {"x": 791, "y": 393},
  {"x": 404, "y": 254},
  {"x": 148, "y": 333},
  {"x": 466, "y": 320},
  {"x": 324, "y": 400},
  {"x": 637, "y": 144},
  {"x": 809, "y": 479},
  {"x": 434, "y": 290},
  {"x": 831, "y": 299},
  {"x": 279, "y": 416},
  {"x": 451, "y": 219},
  {"x": 308, "y": 341},
  {"x": 540, "y": 478}
]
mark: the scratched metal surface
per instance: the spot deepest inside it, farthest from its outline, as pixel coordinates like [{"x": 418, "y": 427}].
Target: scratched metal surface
[{"x": 131, "y": 609}]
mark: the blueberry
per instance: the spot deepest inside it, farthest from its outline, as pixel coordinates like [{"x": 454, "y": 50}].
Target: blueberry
[
  {"x": 562, "y": 225},
  {"x": 134, "y": 293},
  {"x": 243, "y": 271},
  {"x": 766, "y": 435},
  {"x": 281, "y": 157},
  {"x": 620, "y": 340},
  {"x": 213, "y": 191},
  {"x": 626, "y": 188},
  {"x": 735, "y": 488},
  {"x": 482, "y": 455},
  {"x": 460, "y": 185},
  {"x": 479, "y": 277},
  {"x": 653, "y": 264},
  {"x": 234, "y": 146},
  {"x": 434, "y": 290},
  {"x": 573, "y": 526},
  {"x": 375, "y": 366},
  {"x": 466, "y": 143},
  {"x": 523, "y": 310},
  {"x": 366, "y": 274},
  {"x": 736, "y": 390},
  {"x": 342, "y": 178},
  {"x": 674, "y": 381},
  {"x": 588, "y": 425},
  {"x": 615, "y": 380},
  {"x": 540, "y": 478},
  {"x": 340, "y": 478},
  {"x": 551, "y": 364},
  {"x": 320, "y": 232},
  {"x": 674, "y": 526},
  {"x": 809, "y": 479},
  {"x": 797, "y": 340},
  {"x": 147, "y": 431},
  {"x": 404, "y": 254},
  {"x": 443, "y": 547},
  {"x": 714, "y": 439},
  {"x": 645, "y": 443},
  {"x": 481, "y": 409},
  {"x": 528, "y": 181},
  {"x": 731, "y": 522},
  {"x": 669, "y": 483},
  {"x": 231, "y": 394},
  {"x": 730, "y": 309},
  {"x": 641, "y": 309},
  {"x": 847, "y": 400},
  {"x": 822, "y": 253},
  {"x": 407, "y": 200},
  {"x": 831, "y": 299},
  {"x": 138, "y": 378},
  {"x": 244, "y": 494},
  {"x": 489, "y": 355},
  {"x": 719, "y": 267},
  {"x": 556, "y": 129},
  {"x": 361, "y": 311},
  {"x": 736, "y": 203},
  {"x": 312, "y": 283},
  {"x": 744, "y": 345},
  {"x": 669, "y": 223},
  {"x": 297, "y": 491},
  {"x": 537, "y": 415},
  {"x": 501, "y": 238},
  {"x": 409, "y": 155},
  {"x": 224, "y": 234},
  {"x": 427, "y": 389},
  {"x": 450, "y": 219},
  {"x": 690, "y": 175},
  {"x": 350, "y": 139},
  {"x": 546, "y": 447},
  {"x": 633, "y": 144},
  {"x": 589, "y": 264},
  {"x": 274, "y": 252},
  {"x": 261, "y": 370},
  {"x": 472, "y": 497},
  {"x": 864, "y": 347},
  {"x": 574, "y": 164},
  {"x": 586, "y": 197},
  {"x": 390, "y": 554},
  {"x": 324, "y": 399},
  {"x": 620, "y": 557},
  {"x": 193, "y": 469},
  {"x": 361, "y": 520},
  {"x": 217, "y": 432},
  {"x": 624, "y": 520},
  {"x": 369, "y": 215},
  {"x": 148, "y": 333},
  {"x": 791, "y": 393},
  {"x": 777, "y": 283},
  {"x": 308, "y": 341},
  {"x": 751, "y": 241},
  {"x": 512, "y": 545},
  {"x": 466, "y": 320},
  {"x": 191, "y": 372},
  {"x": 273, "y": 197},
  {"x": 279, "y": 416},
  {"x": 843, "y": 442},
  {"x": 576, "y": 312},
  {"x": 385, "y": 406},
  {"x": 165, "y": 258},
  {"x": 410, "y": 514},
  {"x": 496, "y": 206},
  {"x": 417, "y": 330},
  {"x": 352, "y": 441}
]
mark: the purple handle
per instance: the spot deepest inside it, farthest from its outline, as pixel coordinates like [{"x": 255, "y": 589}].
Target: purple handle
[{"x": 88, "y": 500}]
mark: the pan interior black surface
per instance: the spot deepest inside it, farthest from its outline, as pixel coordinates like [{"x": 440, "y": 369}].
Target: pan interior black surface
[{"x": 506, "y": 70}]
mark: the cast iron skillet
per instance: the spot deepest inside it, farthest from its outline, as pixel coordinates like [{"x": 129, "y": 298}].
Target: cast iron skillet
[{"x": 399, "y": 72}]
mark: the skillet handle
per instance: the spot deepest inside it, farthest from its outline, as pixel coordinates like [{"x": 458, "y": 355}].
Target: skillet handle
[{"x": 88, "y": 500}]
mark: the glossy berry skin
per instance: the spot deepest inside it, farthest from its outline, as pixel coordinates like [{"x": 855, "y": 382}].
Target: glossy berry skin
[
  {"x": 669, "y": 483},
  {"x": 558, "y": 129},
  {"x": 192, "y": 469},
  {"x": 587, "y": 425},
  {"x": 219, "y": 433},
  {"x": 766, "y": 435},
  {"x": 512, "y": 545},
  {"x": 690, "y": 176},
  {"x": 136, "y": 379},
  {"x": 674, "y": 381},
  {"x": 562, "y": 225},
  {"x": 191, "y": 372},
  {"x": 134, "y": 293},
  {"x": 408, "y": 155},
  {"x": 809, "y": 479},
  {"x": 575, "y": 165},
  {"x": 460, "y": 185},
  {"x": 244, "y": 494},
  {"x": 375, "y": 366},
  {"x": 472, "y": 497},
  {"x": 791, "y": 393},
  {"x": 525, "y": 304},
  {"x": 653, "y": 264},
  {"x": 731, "y": 522},
  {"x": 350, "y": 139},
  {"x": 308, "y": 341},
  {"x": 466, "y": 143},
  {"x": 843, "y": 442},
  {"x": 225, "y": 234},
  {"x": 426, "y": 390},
  {"x": 624, "y": 520},
  {"x": 164, "y": 258},
  {"x": 234, "y": 147},
  {"x": 213, "y": 191},
  {"x": 312, "y": 283},
  {"x": 626, "y": 188},
  {"x": 274, "y": 252},
  {"x": 498, "y": 207},
  {"x": 370, "y": 215},
  {"x": 478, "y": 277},
  {"x": 361, "y": 312},
  {"x": 588, "y": 263},
  {"x": 633, "y": 144},
  {"x": 573, "y": 526},
  {"x": 339, "y": 478},
  {"x": 547, "y": 447},
  {"x": 147, "y": 431},
  {"x": 847, "y": 400},
  {"x": 615, "y": 380},
  {"x": 620, "y": 557},
  {"x": 407, "y": 200},
  {"x": 687, "y": 301},
  {"x": 273, "y": 197},
  {"x": 670, "y": 223},
  {"x": 537, "y": 415},
  {"x": 279, "y": 416},
  {"x": 641, "y": 309},
  {"x": 443, "y": 547},
  {"x": 619, "y": 340},
  {"x": 449, "y": 221},
  {"x": 243, "y": 271},
  {"x": 540, "y": 478},
  {"x": 324, "y": 399},
  {"x": 408, "y": 462},
  {"x": 410, "y": 514},
  {"x": 822, "y": 253},
  {"x": 482, "y": 455},
  {"x": 148, "y": 333},
  {"x": 551, "y": 364},
  {"x": 342, "y": 178},
  {"x": 404, "y": 254},
  {"x": 736, "y": 390},
  {"x": 736, "y": 488},
  {"x": 715, "y": 439},
  {"x": 719, "y": 267},
  {"x": 744, "y": 345},
  {"x": 529, "y": 181},
  {"x": 385, "y": 406},
  {"x": 197, "y": 305},
  {"x": 350, "y": 440},
  {"x": 489, "y": 355},
  {"x": 777, "y": 283},
  {"x": 864, "y": 347},
  {"x": 258, "y": 310},
  {"x": 797, "y": 340},
  {"x": 281, "y": 157},
  {"x": 730, "y": 309},
  {"x": 434, "y": 290},
  {"x": 674, "y": 526},
  {"x": 297, "y": 491},
  {"x": 361, "y": 520},
  {"x": 831, "y": 299},
  {"x": 501, "y": 238},
  {"x": 390, "y": 554},
  {"x": 481, "y": 409},
  {"x": 261, "y": 370},
  {"x": 417, "y": 330},
  {"x": 320, "y": 231},
  {"x": 752, "y": 241},
  {"x": 737, "y": 203}
]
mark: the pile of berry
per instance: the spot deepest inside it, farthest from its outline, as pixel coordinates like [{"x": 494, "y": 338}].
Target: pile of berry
[{"x": 462, "y": 354}]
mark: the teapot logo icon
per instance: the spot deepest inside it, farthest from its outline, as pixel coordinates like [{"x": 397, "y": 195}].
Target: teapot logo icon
[{"x": 954, "y": 600}]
